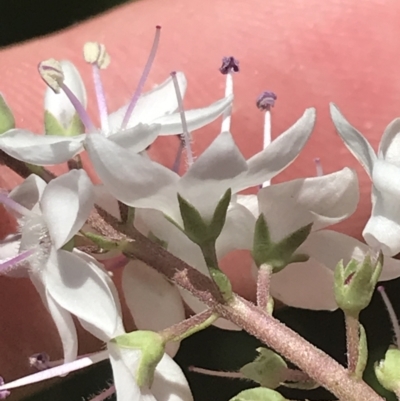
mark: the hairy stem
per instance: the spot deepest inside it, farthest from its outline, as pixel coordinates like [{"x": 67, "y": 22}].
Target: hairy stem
[
  {"x": 263, "y": 284},
  {"x": 352, "y": 341}
]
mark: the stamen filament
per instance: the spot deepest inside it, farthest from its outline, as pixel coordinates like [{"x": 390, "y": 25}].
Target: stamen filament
[
  {"x": 101, "y": 99},
  {"x": 8, "y": 202},
  {"x": 392, "y": 314},
  {"x": 318, "y": 167},
  {"x": 217, "y": 373},
  {"x": 267, "y": 138},
  {"x": 10, "y": 263},
  {"x": 143, "y": 78},
  {"x": 178, "y": 157},
  {"x": 185, "y": 132},
  {"x": 104, "y": 394},
  {"x": 226, "y": 117}
]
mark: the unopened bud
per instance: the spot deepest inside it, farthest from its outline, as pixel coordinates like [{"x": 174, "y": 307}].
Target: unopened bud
[
  {"x": 95, "y": 53},
  {"x": 388, "y": 370},
  {"x": 51, "y": 72}
]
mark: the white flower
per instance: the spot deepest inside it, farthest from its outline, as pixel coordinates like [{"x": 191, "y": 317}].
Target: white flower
[
  {"x": 154, "y": 115},
  {"x": 323, "y": 201},
  {"x": 382, "y": 230}
]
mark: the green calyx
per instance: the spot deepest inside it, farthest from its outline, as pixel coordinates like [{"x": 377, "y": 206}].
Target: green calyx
[
  {"x": 388, "y": 370},
  {"x": 53, "y": 126},
  {"x": 355, "y": 283},
  {"x": 277, "y": 254},
  {"x": 258, "y": 394},
  {"x": 7, "y": 120}
]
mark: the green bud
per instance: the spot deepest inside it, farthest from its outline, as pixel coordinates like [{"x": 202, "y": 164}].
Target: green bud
[
  {"x": 7, "y": 120},
  {"x": 219, "y": 216},
  {"x": 388, "y": 370},
  {"x": 268, "y": 369},
  {"x": 355, "y": 283},
  {"x": 277, "y": 254},
  {"x": 54, "y": 127},
  {"x": 258, "y": 394},
  {"x": 152, "y": 349}
]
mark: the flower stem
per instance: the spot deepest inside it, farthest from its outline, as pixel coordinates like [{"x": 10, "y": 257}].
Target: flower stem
[
  {"x": 352, "y": 341},
  {"x": 263, "y": 285}
]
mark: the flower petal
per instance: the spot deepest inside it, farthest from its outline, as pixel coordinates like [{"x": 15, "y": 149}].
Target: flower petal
[
  {"x": 329, "y": 247},
  {"x": 389, "y": 147},
  {"x": 41, "y": 150},
  {"x": 323, "y": 201},
  {"x": 136, "y": 139},
  {"x": 172, "y": 124},
  {"x": 354, "y": 140},
  {"x": 66, "y": 204},
  {"x": 155, "y": 304},
  {"x": 278, "y": 154},
  {"x": 84, "y": 290},
  {"x": 159, "y": 102},
  {"x": 58, "y": 104},
  {"x": 131, "y": 178},
  {"x": 106, "y": 201},
  {"x": 170, "y": 383}
]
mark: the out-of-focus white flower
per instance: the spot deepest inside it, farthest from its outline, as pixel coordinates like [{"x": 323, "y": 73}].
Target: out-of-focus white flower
[{"x": 382, "y": 230}]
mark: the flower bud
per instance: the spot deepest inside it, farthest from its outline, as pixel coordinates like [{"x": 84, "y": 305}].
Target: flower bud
[
  {"x": 7, "y": 120},
  {"x": 388, "y": 370},
  {"x": 355, "y": 283},
  {"x": 258, "y": 394}
]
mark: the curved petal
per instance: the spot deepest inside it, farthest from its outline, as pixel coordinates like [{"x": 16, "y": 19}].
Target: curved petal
[
  {"x": 136, "y": 139},
  {"x": 322, "y": 201},
  {"x": 66, "y": 204},
  {"x": 61, "y": 318},
  {"x": 307, "y": 285},
  {"x": 29, "y": 192},
  {"x": 172, "y": 124},
  {"x": 279, "y": 154},
  {"x": 131, "y": 178},
  {"x": 155, "y": 304},
  {"x": 354, "y": 140},
  {"x": 84, "y": 290},
  {"x": 170, "y": 383},
  {"x": 329, "y": 247},
  {"x": 154, "y": 104},
  {"x": 58, "y": 104},
  {"x": 389, "y": 147},
  {"x": 41, "y": 150},
  {"x": 250, "y": 202}
]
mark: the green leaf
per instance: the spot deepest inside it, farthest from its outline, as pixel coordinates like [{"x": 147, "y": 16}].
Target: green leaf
[
  {"x": 219, "y": 216},
  {"x": 7, "y": 120},
  {"x": 261, "y": 242},
  {"x": 258, "y": 394}
]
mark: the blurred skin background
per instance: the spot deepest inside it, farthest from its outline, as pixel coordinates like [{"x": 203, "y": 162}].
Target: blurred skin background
[{"x": 308, "y": 52}]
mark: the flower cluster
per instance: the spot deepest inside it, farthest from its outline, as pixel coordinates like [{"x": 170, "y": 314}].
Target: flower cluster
[{"x": 73, "y": 233}]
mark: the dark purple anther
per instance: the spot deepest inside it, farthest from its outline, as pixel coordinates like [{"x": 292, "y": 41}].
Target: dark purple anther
[
  {"x": 3, "y": 393},
  {"x": 229, "y": 64},
  {"x": 266, "y": 100}
]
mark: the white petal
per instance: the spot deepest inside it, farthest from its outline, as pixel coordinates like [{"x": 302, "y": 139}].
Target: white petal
[
  {"x": 61, "y": 318},
  {"x": 29, "y": 192},
  {"x": 170, "y": 383},
  {"x": 124, "y": 363},
  {"x": 155, "y": 304},
  {"x": 307, "y": 285},
  {"x": 354, "y": 140},
  {"x": 159, "y": 102},
  {"x": 212, "y": 174},
  {"x": 106, "y": 201},
  {"x": 136, "y": 139},
  {"x": 131, "y": 178},
  {"x": 329, "y": 247},
  {"x": 84, "y": 290},
  {"x": 196, "y": 118},
  {"x": 323, "y": 201},
  {"x": 66, "y": 204},
  {"x": 42, "y": 150},
  {"x": 389, "y": 147},
  {"x": 58, "y": 104}
]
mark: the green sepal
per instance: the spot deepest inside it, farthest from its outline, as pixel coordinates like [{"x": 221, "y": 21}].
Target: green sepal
[
  {"x": 219, "y": 216},
  {"x": 355, "y": 283},
  {"x": 258, "y": 394},
  {"x": 388, "y": 370},
  {"x": 277, "y": 254},
  {"x": 268, "y": 369},
  {"x": 152, "y": 349},
  {"x": 76, "y": 126},
  {"x": 7, "y": 120},
  {"x": 52, "y": 126},
  {"x": 69, "y": 246},
  {"x": 103, "y": 242},
  {"x": 222, "y": 281},
  {"x": 362, "y": 353},
  {"x": 305, "y": 385}
]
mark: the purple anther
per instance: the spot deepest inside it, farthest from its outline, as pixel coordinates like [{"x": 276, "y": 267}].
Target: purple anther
[
  {"x": 229, "y": 64},
  {"x": 3, "y": 393},
  {"x": 266, "y": 100}
]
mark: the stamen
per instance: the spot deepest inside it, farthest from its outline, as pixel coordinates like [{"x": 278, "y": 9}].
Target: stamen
[
  {"x": 16, "y": 207},
  {"x": 392, "y": 314},
  {"x": 264, "y": 102},
  {"x": 8, "y": 264},
  {"x": 178, "y": 157},
  {"x": 41, "y": 361},
  {"x": 52, "y": 74},
  {"x": 105, "y": 394},
  {"x": 229, "y": 65},
  {"x": 185, "y": 136},
  {"x": 143, "y": 78},
  {"x": 96, "y": 55},
  {"x": 216, "y": 373},
  {"x": 318, "y": 167},
  {"x": 3, "y": 393}
]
